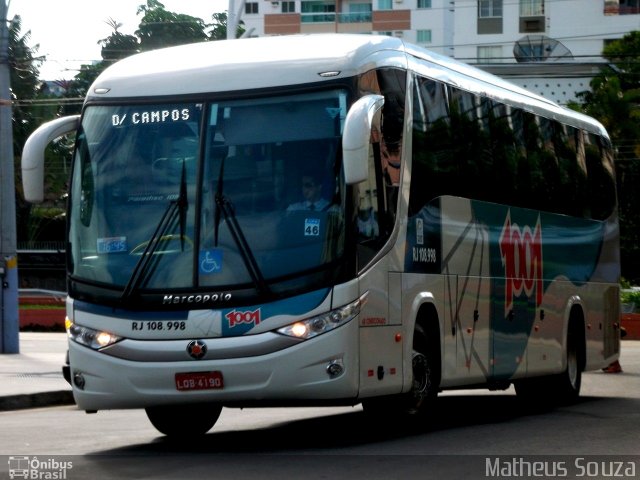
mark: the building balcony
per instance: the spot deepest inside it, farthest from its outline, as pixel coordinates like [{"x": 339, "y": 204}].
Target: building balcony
[
  {"x": 318, "y": 17},
  {"x": 361, "y": 17}
]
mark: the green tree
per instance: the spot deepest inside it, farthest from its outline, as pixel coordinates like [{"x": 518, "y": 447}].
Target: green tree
[
  {"x": 614, "y": 99},
  {"x": 219, "y": 27},
  {"x": 30, "y": 108},
  {"x": 624, "y": 54},
  {"x": 160, "y": 28},
  {"x": 24, "y": 71},
  {"x": 118, "y": 45},
  {"x": 115, "y": 47}
]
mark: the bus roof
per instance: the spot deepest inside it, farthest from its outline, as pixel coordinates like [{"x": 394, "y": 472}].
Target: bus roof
[
  {"x": 242, "y": 64},
  {"x": 264, "y": 62}
]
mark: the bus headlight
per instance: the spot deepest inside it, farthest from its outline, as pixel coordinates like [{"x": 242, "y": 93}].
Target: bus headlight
[
  {"x": 95, "y": 339},
  {"x": 314, "y": 326}
]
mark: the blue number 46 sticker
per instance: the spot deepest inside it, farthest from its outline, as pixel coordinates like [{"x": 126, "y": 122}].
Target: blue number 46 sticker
[{"x": 311, "y": 227}]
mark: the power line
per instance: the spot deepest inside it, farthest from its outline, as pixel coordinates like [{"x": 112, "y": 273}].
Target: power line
[{"x": 48, "y": 101}]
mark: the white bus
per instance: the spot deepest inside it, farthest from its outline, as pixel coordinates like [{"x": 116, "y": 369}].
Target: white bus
[{"x": 328, "y": 220}]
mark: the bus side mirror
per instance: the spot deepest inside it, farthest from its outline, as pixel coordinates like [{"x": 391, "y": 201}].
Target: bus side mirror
[
  {"x": 33, "y": 154},
  {"x": 356, "y": 138}
]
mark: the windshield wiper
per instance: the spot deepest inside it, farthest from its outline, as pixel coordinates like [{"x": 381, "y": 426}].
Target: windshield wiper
[
  {"x": 175, "y": 211},
  {"x": 224, "y": 208},
  {"x": 182, "y": 204}
]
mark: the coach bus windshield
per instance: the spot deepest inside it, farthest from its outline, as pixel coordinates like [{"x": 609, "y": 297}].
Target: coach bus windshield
[{"x": 235, "y": 194}]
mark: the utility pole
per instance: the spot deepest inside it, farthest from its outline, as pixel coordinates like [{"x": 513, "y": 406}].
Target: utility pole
[
  {"x": 9, "y": 323},
  {"x": 233, "y": 18}
]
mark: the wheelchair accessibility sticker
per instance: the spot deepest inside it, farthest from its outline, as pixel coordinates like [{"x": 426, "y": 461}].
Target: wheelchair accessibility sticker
[{"x": 210, "y": 261}]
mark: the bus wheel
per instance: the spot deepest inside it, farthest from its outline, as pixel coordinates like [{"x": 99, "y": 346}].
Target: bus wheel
[
  {"x": 184, "y": 420},
  {"x": 562, "y": 388},
  {"x": 568, "y": 383},
  {"x": 423, "y": 388}
]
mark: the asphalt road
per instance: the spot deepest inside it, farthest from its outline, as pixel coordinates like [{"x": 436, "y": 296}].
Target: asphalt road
[{"x": 471, "y": 434}]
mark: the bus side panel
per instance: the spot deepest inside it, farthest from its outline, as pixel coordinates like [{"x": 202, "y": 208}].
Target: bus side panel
[
  {"x": 465, "y": 263},
  {"x": 544, "y": 352},
  {"x": 540, "y": 264},
  {"x": 473, "y": 329},
  {"x": 443, "y": 238},
  {"x": 598, "y": 302},
  {"x": 518, "y": 270},
  {"x": 418, "y": 289},
  {"x": 381, "y": 354},
  {"x": 603, "y": 337}
]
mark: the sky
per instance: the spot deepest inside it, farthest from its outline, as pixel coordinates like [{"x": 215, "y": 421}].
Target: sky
[{"x": 68, "y": 30}]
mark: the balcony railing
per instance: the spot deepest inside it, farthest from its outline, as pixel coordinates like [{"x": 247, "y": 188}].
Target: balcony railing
[
  {"x": 317, "y": 17},
  {"x": 360, "y": 17}
]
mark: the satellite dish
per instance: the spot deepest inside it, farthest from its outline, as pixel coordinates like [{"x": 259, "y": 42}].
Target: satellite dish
[{"x": 539, "y": 48}]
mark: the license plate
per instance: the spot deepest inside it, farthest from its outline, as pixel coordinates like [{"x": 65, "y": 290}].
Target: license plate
[{"x": 199, "y": 381}]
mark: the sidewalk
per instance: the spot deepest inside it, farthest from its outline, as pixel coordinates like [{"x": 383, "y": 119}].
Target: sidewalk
[{"x": 33, "y": 378}]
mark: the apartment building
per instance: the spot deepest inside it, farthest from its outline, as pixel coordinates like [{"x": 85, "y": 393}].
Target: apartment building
[{"x": 552, "y": 47}]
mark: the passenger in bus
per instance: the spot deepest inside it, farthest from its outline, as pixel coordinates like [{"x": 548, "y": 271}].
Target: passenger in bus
[
  {"x": 312, "y": 191},
  {"x": 367, "y": 223},
  {"x": 390, "y": 158}
]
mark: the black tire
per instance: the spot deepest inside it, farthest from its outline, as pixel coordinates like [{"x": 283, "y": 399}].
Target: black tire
[
  {"x": 184, "y": 420},
  {"x": 568, "y": 383},
  {"x": 563, "y": 388},
  {"x": 424, "y": 389}
]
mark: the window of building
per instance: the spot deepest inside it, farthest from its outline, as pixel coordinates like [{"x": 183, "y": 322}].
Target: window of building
[
  {"x": 531, "y": 8},
  {"x": 424, "y": 3},
  {"x": 621, "y": 7},
  {"x": 489, "y": 8},
  {"x": 384, "y": 5},
  {"x": 318, "y": 11},
  {"x": 250, "y": 8},
  {"x": 629, "y": 6},
  {"x": 358, "y": 13},
  {"x": 288, "y": 7},
  {"x": 489, "y": 54},
  {"x": 423, "y": 36}
]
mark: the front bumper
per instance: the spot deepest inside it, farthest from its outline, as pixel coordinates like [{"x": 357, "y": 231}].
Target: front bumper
[{"x": 298, "y": 373}]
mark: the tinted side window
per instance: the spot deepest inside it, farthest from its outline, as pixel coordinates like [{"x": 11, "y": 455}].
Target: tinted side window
[
  {"x": 471, "y": 146},
  {"x": 433, "y": 169},
  {"x": 602, "y": 187},
  {"x": 377, "y": 197}
]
